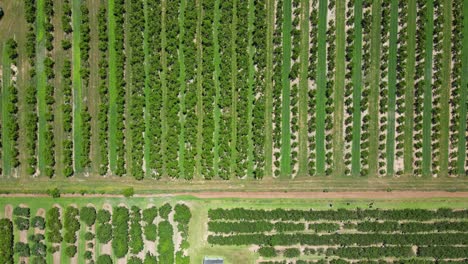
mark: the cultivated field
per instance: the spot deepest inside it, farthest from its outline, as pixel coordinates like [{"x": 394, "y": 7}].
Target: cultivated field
[
  {"x": 184, "y": 229},
  {"x": 211, "y": 89}
]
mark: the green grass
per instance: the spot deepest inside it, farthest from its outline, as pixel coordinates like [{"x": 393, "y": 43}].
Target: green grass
[
  {"x": 427, "y": 107},
  {"x": 463, "y": 96},
  {"x": 338, "y": 139},
  {"x": 357, "y": 85},
  {"x": 446, "y": 86},
  {"x": 112, "y": 88},
  {"x": 409, "y": 92},
  {"x": 374, "y": 76},
  {"x": 303, "y": 91},
  {"x": 41, "y": 82},
  {"x": 217, "y": 70},
  {"x": 270, "y": 9},
  {"x": 77, "y": 86},
  {"x": 393, "y": 46},
  {"x": 182, "y": 77},
  {"x": 321, "y": 85},
  {"x": 285, "y": 165},
  {"x": 6, "y": 120},
  {"x": 250, "y": 87}
]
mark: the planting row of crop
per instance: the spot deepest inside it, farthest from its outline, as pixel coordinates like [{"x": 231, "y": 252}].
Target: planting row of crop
[
  {"x": 312, "y": 92},
  {"x": 225, "y": 31},
  {"x": 258, "y": 122},
  {"x": 437, "y": 86},
  {"x": 103, "y": 226},
  {"x": 430, "y": 239},
  {"x": 191, "y": 81},
  {"x": 103, "y": 90},
  {"x": 209, "y": 91},
  {"x": 31, "y": 100},
  {"x": 46, "y": 96},
  {"x": 401, "y": 85},
  {"x": 383, "y": 86},
  {"x": 365, "y": 92},
  {"x": 293, "y": 77},
  {"x": 120, "y": 218},
  {"x": 456, "y": 84},
  {"x": 71, "y": 225},
  {"x": 135, "y": 243},
  {"x": 277, "y": 86},
  {"x": 242, "y": 87},
  {"x": 136, "y": 86},
  {"x": 350, "y": 69},
  {"x": 155, "y": 87},
  {"x": 117, "y": 92},
  {"x": 85, "y": 38},
  {"x": 333, "y": 215},
  {"x": 66, "y": 82},
  {"x": 344, "y": 261},
  {"x": 10, "y": 125},
  {"x": 419, "y": 87},
  {"x": 182, "y": 217},
  {"x": 330, "y": 87},
  {"x": 172, "y": 99},
  {"x": 165, "y": 236},
  {"x": 6, "y": 241}
]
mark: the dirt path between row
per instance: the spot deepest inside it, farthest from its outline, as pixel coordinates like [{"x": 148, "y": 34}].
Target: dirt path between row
[{"x": 271, "y": 195}]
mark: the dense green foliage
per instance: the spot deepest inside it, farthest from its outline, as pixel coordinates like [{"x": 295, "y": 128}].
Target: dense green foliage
[{"x": 6, "y": 241}]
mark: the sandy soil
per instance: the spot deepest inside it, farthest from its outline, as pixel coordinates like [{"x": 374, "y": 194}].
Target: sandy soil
[{"x": 9, "y": 211}]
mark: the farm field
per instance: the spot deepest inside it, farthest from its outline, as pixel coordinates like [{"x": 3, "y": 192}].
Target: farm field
[
  {"x": 157, "y": 89},
  {"x": 185, "y": 229}
]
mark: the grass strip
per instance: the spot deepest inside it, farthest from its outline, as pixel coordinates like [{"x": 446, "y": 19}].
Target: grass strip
[
  {"x": 463, "y": 97},
  {"x": 77, "y": 86},
  {"x": 338, "y": 139},
  {"x": 41, "y": 82},
  {"x": 321, "y": 86},
  {"x": 374, "y": 76},
  {"x": 303, "y": 90},
  {"x": 392, "y": 62},
  {"x": 270, "y": 9},
  {"x": 409, "y": 93},
  {"x": 427, "y": 107},
  {"x": 112, "y": 89},
  {"x": 357, "y": 85},
  {"x": 446, "y": 85},
  {"x": 286, "y": 96}
]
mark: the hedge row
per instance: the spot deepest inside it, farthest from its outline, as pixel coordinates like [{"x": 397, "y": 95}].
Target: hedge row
[
  {"x": 340, "y": 214},
  {"x": 6, "y": 241},
  {"x": 136, "y": 21},
  {"x": 277, "y": 85},
  {"x": 136, "y": 239},
  {"x": 85, "y": 38},
  {"x": 54, "y": 225},
  {"x": 103, "y": 91},
  {"x": 103, "y": 227},
  {"x": 120, "y": 218},
  {"x": 312, "y": 91},
  {"x": 155, "y": 162},
  {"x": 439, "y": 239},
  {"x": 31, "y": 93}
]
